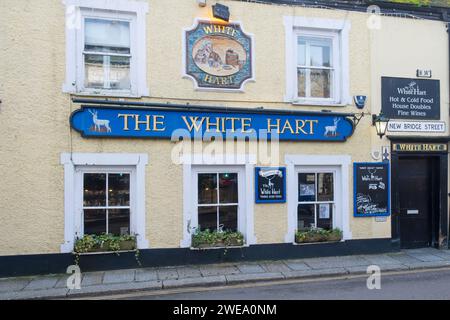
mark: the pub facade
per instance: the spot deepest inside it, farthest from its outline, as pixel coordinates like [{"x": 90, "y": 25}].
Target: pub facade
[{"x": 208, "y": 131}]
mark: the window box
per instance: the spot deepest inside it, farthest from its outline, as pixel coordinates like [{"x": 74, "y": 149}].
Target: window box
[
  {"x": 318, "y": 235},
  {"x": 104, "y": 243},
  {"x": 214, "y": 239}
]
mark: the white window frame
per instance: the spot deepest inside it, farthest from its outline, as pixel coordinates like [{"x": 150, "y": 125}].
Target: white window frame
[
  {"x": 79, "y": 183},
  {"x": 335, "y": 202},
  {"x": 198, "y": 163},
  {"x": 339, "y": 164},
  {"x": 338, "y": 31},
  {"x": 75, "y": 164},
  {"x": 240, "y": 171},
  {"x": 123, "y": 10}
]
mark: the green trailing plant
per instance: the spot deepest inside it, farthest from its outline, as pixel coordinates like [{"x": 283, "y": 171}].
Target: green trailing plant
[
  {"x": 208, "y": 238},
  {"x": 318, "y": 235},
  {"x": 105, "y": 243}
]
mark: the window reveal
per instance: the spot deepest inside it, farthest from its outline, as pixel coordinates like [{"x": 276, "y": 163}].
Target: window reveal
[
  {"x": 218, "y": 201},
  {"x": 315, "y": 200},
  {"x": 106, "y": 203}
]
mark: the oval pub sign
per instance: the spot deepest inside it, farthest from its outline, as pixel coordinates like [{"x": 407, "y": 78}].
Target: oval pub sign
[{"x": 218, "y": 56}]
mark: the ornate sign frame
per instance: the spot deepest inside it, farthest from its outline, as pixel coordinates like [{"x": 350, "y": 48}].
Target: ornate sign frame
[{"x": 218, "y": 56}]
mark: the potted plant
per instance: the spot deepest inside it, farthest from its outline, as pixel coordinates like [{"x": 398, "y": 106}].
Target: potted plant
[
  {"x": 104, "y": 242},
  {"x": 211, "y": 239},
  {"x": 318, "y": 235}
]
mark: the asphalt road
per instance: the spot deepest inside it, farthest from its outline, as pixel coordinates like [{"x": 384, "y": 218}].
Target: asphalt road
[{"x": 424, "y": 284}]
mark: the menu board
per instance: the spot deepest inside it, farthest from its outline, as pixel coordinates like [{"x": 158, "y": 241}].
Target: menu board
[
  {"x": 371, "y": 189},
  {"x": 416, "y": 99},
  {"x": 270, "y": 184}
]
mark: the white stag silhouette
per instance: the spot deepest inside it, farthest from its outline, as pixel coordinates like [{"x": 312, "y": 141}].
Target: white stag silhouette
[
  {"x": 331, "y": 130},
  {"x": 98, "y": 123}
]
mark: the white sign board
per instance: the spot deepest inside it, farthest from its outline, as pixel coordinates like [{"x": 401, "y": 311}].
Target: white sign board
[{"x": 416, "y": 126}]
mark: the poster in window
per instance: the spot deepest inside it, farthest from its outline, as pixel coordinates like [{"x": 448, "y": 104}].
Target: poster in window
[
  {"x": 324, "y": 211},
  {"x": 371, "y": 189},
  {"x": 270, "y": 184}
]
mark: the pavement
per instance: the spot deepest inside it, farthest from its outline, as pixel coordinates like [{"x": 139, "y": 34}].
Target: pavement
[{"x": 144, "y": 279}]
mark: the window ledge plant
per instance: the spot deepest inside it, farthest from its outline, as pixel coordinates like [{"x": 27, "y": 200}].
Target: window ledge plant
[
  {"x": 105, "y": 243},
  {"x": 214, "y": 239},
  {"x": 318, "y": 235}
]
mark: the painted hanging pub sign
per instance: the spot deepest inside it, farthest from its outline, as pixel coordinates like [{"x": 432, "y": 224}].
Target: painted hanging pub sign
[
  {"x": 128, "y": 122},
  {"x": 218, "y": 56}
]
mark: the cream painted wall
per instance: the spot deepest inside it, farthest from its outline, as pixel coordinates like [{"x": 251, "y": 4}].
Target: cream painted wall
[{"x": 34, "y": 113}]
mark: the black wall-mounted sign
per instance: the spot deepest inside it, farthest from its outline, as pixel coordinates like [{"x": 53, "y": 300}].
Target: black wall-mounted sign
[
  {"x": 270, "y": 184},
  {"x": 410, "y": 98},
  {"x": 371, "y": 189}
]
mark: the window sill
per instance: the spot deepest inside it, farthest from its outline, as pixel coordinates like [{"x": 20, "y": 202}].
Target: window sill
[
  {"x": 318, "y": 104},
  {"x": 315, "y": 243},
  {"x": 102, "y": 252},
  {"x": 106, "y": 94},
  {"x": 217, "y": 248}
]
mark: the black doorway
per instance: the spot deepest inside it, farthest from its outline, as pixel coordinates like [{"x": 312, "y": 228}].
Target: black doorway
[{"x": 419, "y": 200}]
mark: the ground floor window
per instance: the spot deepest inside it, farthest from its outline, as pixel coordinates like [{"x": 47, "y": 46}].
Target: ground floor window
[
  {"x": 316, "y": 204},
  {"x": 106, "y": 203},
  {"x": 218, "y": 201},
  {"x": 104, "y": 193}
]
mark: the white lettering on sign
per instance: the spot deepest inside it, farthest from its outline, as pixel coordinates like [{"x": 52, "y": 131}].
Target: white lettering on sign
[{"x": 416, "y": 126}]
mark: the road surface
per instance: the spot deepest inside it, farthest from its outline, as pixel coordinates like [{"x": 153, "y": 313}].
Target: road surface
[{"x": 424, "y": 284}]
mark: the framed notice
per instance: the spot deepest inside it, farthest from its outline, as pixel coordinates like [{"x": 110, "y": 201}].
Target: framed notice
[
  {"x": 371, "y": 189},
  {"x": 270, "y": 184}
]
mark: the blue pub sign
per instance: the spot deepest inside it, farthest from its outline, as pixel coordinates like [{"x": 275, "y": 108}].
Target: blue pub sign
[{"x": 109, "y": 122}]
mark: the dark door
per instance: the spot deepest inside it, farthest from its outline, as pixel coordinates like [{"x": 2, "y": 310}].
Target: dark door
[{"x": 415, "y": 201}]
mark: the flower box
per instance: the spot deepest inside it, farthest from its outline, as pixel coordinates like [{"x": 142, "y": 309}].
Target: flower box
[
  {"x": 215, "y": 239},
  {"x": 318, "y": 235}
]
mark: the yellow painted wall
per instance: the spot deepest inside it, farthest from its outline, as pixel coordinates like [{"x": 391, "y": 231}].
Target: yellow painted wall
[{"x": 34, "y": 113}]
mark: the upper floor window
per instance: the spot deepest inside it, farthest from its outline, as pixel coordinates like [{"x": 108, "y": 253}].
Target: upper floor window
[
  {"x": 106, "y": 47},
  {"x": 316, "y": 61},
  {"x": 107, "y": 54}
]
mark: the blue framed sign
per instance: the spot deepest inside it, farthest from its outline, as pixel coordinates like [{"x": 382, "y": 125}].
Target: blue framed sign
[
  {"x": 371, "y": 192},
  {"x": 270, "y": 184},
  {"x": 109, "y": 122}
]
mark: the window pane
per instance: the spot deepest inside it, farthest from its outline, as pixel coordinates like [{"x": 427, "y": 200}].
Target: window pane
[
  {"x": 207, "y": 218},
  {"x": 301, "y": 82},
  {"x": 107, "y": 35},
  {"x": 320, "y": 52},
  {"x": 94, "y": 194},
  {"x": 321, "y": 83},
  {"x": 307, "y": 187},
  {"x": 119, "y": 221},
  {"x": 305, "y": 216},
  {"x": 119, "y": 189},
  {"x": 228, "y": 187},
  {"x": 207, "y": 188},
  {"x": 119, "y": 73},
  {"x": 325, "y": 216},
  {"x": 301, "y": 61},
  {"x": 95, "y": 221},
  {"x": 105, "y": 72},
  {"x": 325, "y": 187},
  {"x": 228, "y": 218}
]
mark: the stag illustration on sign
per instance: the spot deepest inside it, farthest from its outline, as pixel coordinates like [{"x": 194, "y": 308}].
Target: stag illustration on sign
[
  {"x": 270, "y": 175},
  {"x": 99, "y": 123},
  {"x": 331, "y": 131}
]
